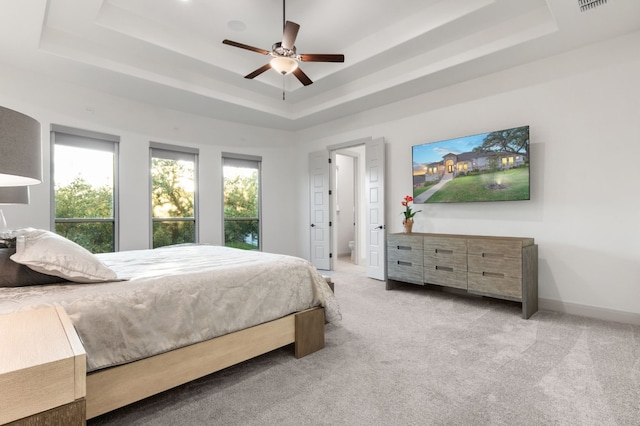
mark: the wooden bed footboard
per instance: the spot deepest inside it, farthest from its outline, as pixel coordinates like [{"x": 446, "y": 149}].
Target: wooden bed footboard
[{"x": 118, "y": 386}]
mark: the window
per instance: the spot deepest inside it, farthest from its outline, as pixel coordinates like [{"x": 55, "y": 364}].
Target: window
[
  {"x": 173, "y": 195},
  {"x": 241, "y": 179},
  {"x": 84, "y": 175}
]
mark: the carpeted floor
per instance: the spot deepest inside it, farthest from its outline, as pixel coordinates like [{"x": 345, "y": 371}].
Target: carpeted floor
[{"x": 413, "y": 356}]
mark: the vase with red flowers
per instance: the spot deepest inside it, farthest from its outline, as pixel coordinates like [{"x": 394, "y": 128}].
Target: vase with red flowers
[{"x": 407, "y": 222}]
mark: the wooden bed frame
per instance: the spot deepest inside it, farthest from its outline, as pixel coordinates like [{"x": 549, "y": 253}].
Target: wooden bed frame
[{"x": 116, "y": 387}]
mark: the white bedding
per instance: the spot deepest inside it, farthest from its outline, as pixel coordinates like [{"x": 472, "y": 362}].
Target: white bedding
[{"x": 177, "y": 296}]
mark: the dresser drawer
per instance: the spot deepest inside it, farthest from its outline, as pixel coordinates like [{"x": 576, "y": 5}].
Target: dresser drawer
[
  {"x": 444, "y": 245},
  {"x": 405, "y": 271},
  {"x": 411, "y": 256},
  {"x": 445, "y": 261},
  {"x": 493, "y": 285},
  {"x": 489, "y": 247},
  {"x": 452, "y": 260},
  {"x": 446, "y": 276},
  {"x": 404, "y": 242},
  {"x": 495, "y": 265},
  {"x": 406, "y": 249}
]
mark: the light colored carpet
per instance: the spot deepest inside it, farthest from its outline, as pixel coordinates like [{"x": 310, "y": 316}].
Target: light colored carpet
[{"x": 413, "y": 356}]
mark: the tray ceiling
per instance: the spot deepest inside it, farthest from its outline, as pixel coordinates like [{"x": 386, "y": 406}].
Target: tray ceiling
[{"x": 169, "y": 53}]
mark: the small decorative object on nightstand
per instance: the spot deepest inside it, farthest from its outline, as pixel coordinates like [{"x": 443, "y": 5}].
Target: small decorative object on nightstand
[
  {"x": 7, "y": 242},
  {"x": 11, "y": 195}
]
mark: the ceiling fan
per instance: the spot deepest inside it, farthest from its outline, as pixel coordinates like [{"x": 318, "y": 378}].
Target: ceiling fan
[{"x": 284, "y": 56}]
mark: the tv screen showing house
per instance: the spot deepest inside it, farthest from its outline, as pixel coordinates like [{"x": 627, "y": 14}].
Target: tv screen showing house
[{"x": 491, "y": 166}]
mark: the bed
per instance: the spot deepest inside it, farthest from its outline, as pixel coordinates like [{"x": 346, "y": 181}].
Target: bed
[{"x": 150, "y": 320}]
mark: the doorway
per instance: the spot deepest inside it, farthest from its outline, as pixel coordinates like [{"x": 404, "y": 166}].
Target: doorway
[
  {"x": 369, "y": 242},
  {"x": 347, "y": 212}
]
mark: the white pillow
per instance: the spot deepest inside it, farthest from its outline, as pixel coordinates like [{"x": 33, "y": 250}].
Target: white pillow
[{"x": 52, "y": 254}]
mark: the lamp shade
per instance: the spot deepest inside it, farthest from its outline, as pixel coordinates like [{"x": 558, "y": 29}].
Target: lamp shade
[
  {"x": 14, "y": 195},
  {"x": 20, "y": 151},
  {"x": 283, "y": 64}
]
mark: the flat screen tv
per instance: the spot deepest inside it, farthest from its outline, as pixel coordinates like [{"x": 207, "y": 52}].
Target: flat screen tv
[{"x": 491, "y": 166}]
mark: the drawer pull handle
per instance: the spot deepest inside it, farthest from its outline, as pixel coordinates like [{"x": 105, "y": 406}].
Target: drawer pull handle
[
  {"x": 404, "y": 247},
  {"x": 443, "y": 251},
  {"x": 493, "y": 274},
  {"x": 401, "y": 263},
  {"x": 494, "y": 255},
  {"x": 444, "y": 268}
]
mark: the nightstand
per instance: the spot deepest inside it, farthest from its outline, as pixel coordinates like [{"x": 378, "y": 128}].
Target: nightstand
[{"x": 42, "y": 369}]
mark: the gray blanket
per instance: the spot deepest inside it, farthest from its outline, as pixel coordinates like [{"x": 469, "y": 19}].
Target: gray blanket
[{"x": 177, "y": 296}]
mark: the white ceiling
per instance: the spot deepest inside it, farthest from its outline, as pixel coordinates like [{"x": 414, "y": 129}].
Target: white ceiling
[{"x": 169, "y": 53}]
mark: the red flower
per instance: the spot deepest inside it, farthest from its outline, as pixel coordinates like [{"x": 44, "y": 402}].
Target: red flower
[{"x": 408, "y": 213}]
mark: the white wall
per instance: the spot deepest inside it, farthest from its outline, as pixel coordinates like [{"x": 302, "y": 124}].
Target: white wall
[
  {"x": 57, "y": 102},
  {"x": 584, "y": 111},
  {"x": 583, "y": 108}
]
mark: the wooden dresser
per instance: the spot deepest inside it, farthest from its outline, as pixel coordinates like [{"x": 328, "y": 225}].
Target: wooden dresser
[
  {"x": 42, "y": 369},
  {"x": 500, "y": 267}
]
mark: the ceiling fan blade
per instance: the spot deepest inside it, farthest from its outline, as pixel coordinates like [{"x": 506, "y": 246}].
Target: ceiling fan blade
[
  {"x": 289, "y": 34},
  {"x": 321, "y": 57},
  {"x": 302, "y": 77},
  {"x": 258, "y": 71},
  {"x": 245, "y": 46}
]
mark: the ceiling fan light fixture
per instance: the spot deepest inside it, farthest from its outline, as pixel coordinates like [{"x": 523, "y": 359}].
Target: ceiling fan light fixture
[
  {"x": 284, "y": 65},
  {"x": 284, "y": 55}
]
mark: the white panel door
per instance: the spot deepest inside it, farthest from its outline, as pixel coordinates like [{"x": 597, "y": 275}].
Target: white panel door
[
  {"x": 374, "y": 187},
  {"x": 319, "y": 221}
]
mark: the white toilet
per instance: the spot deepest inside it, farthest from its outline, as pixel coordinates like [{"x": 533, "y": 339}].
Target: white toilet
[{"x": 353, "y": 254}]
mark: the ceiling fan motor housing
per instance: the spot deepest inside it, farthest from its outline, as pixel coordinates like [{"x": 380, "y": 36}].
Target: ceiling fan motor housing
[{"x": 278, "y": 50}]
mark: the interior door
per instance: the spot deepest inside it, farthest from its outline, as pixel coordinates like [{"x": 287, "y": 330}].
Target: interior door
[
  {"x": 374, "y": 188},
  {"x": 319, "y": 221}
]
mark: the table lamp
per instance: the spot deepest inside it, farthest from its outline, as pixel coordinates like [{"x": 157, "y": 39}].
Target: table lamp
[
  {"x": 20, "y": 159},
  {"x": 20, "y": 151},
  {"x": 11, "y": 195}
]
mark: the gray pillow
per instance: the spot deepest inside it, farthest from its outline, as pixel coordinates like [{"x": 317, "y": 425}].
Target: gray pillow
[{"x": 13, "y": 274}]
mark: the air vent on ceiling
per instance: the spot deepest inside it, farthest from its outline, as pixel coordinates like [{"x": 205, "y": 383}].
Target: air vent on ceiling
[{"x": 590, "y": 4}]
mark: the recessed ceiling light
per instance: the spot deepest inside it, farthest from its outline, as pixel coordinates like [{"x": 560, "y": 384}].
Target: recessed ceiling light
[{"x": 237, "y": 25}]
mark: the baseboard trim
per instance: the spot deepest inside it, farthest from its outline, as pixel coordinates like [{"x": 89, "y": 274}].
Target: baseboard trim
[{"x": 589, "y": 311}]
